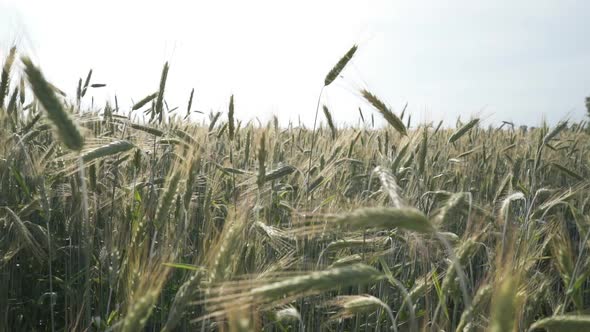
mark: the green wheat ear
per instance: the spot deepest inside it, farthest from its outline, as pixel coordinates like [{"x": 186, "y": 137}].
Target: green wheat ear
[
  {"x": 340, "y": 66},
  {"x": 160, "y": 96},
  {"x": 330, "y": 121},
  {"x": 463, "y": 130},
  {"x": 389, "y": 116},
  {"x": 318, "y": 282},
  {"x": 5, "y": 79},
  {"x": 566, "y": 323},
  {"x": 406, "y": 218},
  {"x": 504, "y": 305},
  {"x": 67, "y": 130},
  {"x": 144, "y": 101},
  {"x": 107, "y": 150},
  {"x": 230, "y": 120}
]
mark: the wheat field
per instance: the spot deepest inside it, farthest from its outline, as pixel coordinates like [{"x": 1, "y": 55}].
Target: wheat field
[{"x": 142, "y": 220}]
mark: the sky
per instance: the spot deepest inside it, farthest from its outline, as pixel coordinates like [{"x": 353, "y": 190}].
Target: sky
[{"x": 520, "y": 61}]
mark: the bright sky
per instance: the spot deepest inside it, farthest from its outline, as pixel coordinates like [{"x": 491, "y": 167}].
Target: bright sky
[{"x": 501, "y": 60}]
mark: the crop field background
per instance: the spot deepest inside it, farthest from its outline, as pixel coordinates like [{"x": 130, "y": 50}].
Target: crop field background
[{"x": 128, "y": 220}]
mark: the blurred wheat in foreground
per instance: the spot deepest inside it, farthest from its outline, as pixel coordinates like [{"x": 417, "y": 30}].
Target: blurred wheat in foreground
[{"x": 130, "y": 220}]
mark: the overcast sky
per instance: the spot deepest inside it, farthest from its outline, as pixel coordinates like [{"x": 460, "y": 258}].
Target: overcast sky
[{"x": 499, "y": 60}]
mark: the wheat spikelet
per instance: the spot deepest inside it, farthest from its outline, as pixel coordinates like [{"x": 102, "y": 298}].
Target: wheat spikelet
[
  {"x": 170, "y": 142},
  {"x": 385, "y": 218},
  {"x": 423, "y": 151},
  {"x": 468, "y": 152},
  {"x": 29, "y": 126},
  {"x": 389, "y": 116},
  {"x": 567, "y": 171},
  {"x": 144, "y": 101},
  {"x": 190, "y": 103},
  {"x": 505, "y": 186},
  {"x": 139, "y": 312},
  {"x": 271, "y": 231},
  {"x": 482, "y": 296},
  {"x": 361, "y": 114},
  {"x": 352, "y": 243},
  {"x": 347, "y": 260},
  {"x": 561, "y": 126},
  {"x": 390, "y": 186},
  {"x": 186, "y": 137},
  {"x": 11, "y": 108},
  {"x": 563, "y": 323},
  {"x": 25, "y": 237},
  {"x": 317, "y": 282},
  {"x": 352, "y": 144},
  {"x": 313, "y": 185},
  {"x": 279, "y": 173},
  {"x": 333, "y": 74},
  {"x": 66, "y": 127},
  {"x": 79, "y": 91},
  {"x": 503, "y": 213},
  {"x": 421, "y": 286},
  {"x": 451, "y": 237},
  {"x": 166, "y": 200},
  {"x": 504, "y": 306},
  {"x": 214, "y": 118},
  {"x": 454, "y": 204},
  {"x": 398, "y": 159},
  {"x": 221, "y": 131},
  {"x": 262, "y": 161},
  {"x": 86, "y": 83},
  {"x": 352, "y": 305},
  {"x": 147, "y": 129},
  {"x": 230, "y": 119},
  {"x": 160, "y": 97},
  {"x": 330, "y": 121},
  {"x": 5, "y": 78},
  {"x": 181, "y": 300},
  {"x": 222, "y": 263},
  {"x": 561, "y": 250},
  {"x": 278, "y": 239},
  {"x": 463, "y": 253},
  {"x": 22, "y": 91},
  {"x": 107, "y": 150},
  {"x": 463, "y": 130}
]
